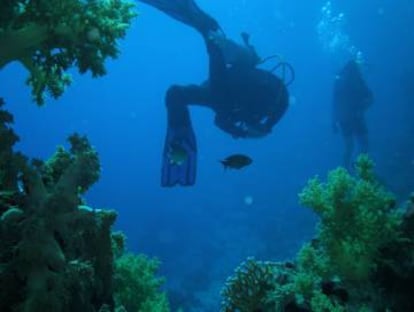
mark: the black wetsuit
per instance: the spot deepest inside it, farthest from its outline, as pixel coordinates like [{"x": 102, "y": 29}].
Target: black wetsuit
[
  {"x": 351, "y": 98},
  {"x": 247, "y": 101}
]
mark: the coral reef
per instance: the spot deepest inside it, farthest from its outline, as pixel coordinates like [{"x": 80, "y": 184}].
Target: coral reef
[
  {"x": 56, "y": 253},
  {"x": 361, "y": 259},
  {"x": 49, "y": 37}
]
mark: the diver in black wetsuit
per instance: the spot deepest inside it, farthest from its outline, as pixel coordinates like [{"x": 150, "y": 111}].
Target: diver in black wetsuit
[
  {"x": 351, "y": 98},
  {"x": 247, "y": 101}
]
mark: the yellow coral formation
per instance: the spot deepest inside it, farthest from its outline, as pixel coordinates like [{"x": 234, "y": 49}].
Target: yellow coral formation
[{"x": 357, "y": 219}]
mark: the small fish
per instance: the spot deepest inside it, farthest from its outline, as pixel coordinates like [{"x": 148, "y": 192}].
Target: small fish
[
  {"x": 236, "y": 161},
  {"x": 177, "y": 154}
]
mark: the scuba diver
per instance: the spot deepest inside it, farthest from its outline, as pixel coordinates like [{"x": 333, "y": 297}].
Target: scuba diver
[
  {"x": 351, "y": 98},
  {"x": 247, "y": 101}
]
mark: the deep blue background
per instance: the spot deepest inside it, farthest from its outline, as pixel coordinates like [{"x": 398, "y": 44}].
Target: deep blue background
[{"x": 201, "y": 233}]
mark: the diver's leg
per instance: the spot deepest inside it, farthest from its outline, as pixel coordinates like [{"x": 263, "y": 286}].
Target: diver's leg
[
  {"x": 361, "y": 134},
  {"x": 180, "y": 147},
  {"x": 178, "y": 99},
  {"x": 363, "y": 143},
  {"x": 348, "y": 137},
  {"x": 187, "y": 12},
  {"x": 217, "y": 66},
  {"x": 348, "y": 151}
]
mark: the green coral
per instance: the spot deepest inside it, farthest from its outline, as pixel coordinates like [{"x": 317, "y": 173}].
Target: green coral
[
  {"x": 49, "y": 37},
  {"x": 357, "y": 219},
  {"x": 137, "y": 289},
  {"x": 313, "y": 260},
  {"x": 311, "y": 269}
]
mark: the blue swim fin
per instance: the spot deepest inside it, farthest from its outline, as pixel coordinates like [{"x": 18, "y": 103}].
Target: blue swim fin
[{"x": 179, "y": 163}]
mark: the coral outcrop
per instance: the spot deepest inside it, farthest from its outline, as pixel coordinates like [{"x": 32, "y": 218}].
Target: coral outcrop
[
  {"x": 56, "y": 253},
  {"x": 360, "y": 260}
]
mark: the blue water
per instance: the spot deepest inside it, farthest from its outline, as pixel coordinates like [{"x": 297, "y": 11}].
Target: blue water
[{"x": 203, "y": 232}]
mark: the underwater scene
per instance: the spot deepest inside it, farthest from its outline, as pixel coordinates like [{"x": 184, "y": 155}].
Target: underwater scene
[{"x": 206, "y": 156}]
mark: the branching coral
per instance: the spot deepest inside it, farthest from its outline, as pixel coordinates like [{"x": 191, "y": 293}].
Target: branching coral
[
  {"x": 49, "y": 37},
  {"x": 357, "y": 219},
  {"x": 257, "y": 286}
]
